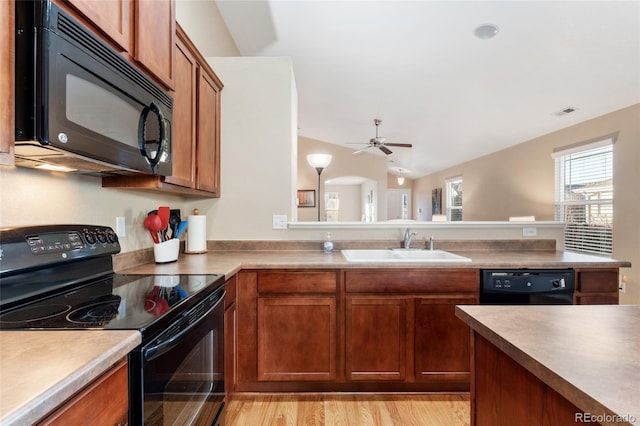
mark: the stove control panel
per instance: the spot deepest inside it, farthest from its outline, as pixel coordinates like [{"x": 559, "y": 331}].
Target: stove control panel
[
  {"x": 48, "y": 243},
  {"x": 29, "y": 247}
]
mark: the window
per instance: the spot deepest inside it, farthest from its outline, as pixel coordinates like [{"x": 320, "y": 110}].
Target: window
[
  {"x": 584, "y": 196},
  {"x": 454, "y": 199}
]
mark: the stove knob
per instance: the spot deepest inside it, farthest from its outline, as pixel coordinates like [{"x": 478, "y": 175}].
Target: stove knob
[
  {"x": 89, "y": 236},
  {"x": 102, "y": 236},
  {"x": 111, "y": 236}
]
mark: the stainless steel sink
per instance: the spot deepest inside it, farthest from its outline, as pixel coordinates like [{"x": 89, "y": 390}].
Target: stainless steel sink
[{"x": 403, "y": 256}]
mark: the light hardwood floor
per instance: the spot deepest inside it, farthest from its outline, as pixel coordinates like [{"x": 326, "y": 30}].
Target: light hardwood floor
[{"x": 349, "y": 410}]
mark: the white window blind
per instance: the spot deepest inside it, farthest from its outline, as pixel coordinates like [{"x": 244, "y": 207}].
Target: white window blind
[
  {"x": 454, "y": 199},
  {"x": 584, "y": 196}
]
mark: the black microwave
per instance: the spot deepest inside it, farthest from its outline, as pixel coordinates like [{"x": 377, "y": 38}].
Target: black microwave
[{"x": 80, "y": 105}]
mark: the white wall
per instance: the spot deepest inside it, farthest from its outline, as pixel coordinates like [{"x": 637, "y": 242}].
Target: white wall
[{"x": 258, "y": 142}]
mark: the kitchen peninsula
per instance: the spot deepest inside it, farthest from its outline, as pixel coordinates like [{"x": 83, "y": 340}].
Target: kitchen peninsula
[
  {"x": 314, "y": 309},
  {"x": 554, "y": 365}
]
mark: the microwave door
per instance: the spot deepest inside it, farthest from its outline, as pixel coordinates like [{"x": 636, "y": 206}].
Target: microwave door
[
  {"x": 94, "y": 104},
  {"x": 93, "y": 118}
]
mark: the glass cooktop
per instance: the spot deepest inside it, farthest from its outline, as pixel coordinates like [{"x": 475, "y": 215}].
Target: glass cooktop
[{"x": 117, "y": 302}]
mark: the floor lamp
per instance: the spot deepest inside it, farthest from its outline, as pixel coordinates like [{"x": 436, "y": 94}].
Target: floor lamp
[{"x": 319, "y": 162}]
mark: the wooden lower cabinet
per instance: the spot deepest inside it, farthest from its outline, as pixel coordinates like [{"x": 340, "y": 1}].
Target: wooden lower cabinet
[
  {"x": 104, "y": 402},
  {"x": 287, "y": 328},
  {"x": 442, "y": 343},
  {"x": 376, "y": 338},
  {"x": 505, "y": 393},
  {"x": 596, "y": 286},
  {"x": 230, "y": 336},
  {"x": 401, "y": 326},
  {"x": 296, "y": 338},
  {"x": 353, "y": 330}
]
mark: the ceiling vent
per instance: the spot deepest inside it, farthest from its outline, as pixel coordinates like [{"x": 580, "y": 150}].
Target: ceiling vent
[{"x": 565, "y": 111}]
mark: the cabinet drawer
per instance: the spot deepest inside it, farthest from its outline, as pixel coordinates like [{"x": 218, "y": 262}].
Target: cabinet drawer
[
  {"x": 297, "y": 282},
  {"x": 418, "y": 281},
  {"x": 597, "y": 281}
]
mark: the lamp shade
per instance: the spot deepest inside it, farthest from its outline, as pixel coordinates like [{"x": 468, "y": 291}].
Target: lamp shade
[
  {"x": 319, "y": 160},
  {"x": 400, "y": 180}
]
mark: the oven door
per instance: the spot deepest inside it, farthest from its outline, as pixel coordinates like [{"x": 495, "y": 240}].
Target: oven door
[{"x": 178, "y": 377}]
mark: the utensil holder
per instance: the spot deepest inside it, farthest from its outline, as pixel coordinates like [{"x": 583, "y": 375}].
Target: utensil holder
[{"x": 167, "y": 251}]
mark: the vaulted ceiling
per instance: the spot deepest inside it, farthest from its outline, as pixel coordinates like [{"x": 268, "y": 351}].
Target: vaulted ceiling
[{"x": 418, "y": 67}]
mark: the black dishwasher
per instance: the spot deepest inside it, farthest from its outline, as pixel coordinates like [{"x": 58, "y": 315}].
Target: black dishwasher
[{"x": 527, "y": 286}]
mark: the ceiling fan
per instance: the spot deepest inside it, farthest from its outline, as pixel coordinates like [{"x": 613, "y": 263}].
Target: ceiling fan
[{"x": 380, "y": 142}]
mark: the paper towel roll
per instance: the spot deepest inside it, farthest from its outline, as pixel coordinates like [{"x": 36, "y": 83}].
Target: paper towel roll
[{"x": 196, "y": 234}]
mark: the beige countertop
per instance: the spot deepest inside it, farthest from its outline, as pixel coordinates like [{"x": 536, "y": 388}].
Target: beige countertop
[
  {"x": 588, "y": 354},
  {"x": 230, "y": 262},
  {"x": 39, "y": 370}
]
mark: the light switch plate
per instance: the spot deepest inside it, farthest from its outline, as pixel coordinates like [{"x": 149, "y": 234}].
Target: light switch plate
[
  {"x": 529, "y": 232},
  {"x": 279, "y": 221},
  {"x": 120, "y": 227}
]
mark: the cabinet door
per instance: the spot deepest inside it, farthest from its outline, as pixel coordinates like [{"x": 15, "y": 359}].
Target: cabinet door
[
  {"x": 208, "y": 127},
  {"x": 183, "y": 149},
  {"x": 111, "y": 17},
  {"x": 596, "y": 287},
  {"x": 155, "y": 38},
  {"x": 230, "y": 336},
  {"x": 376, "y": 339},
  {"x": 296, "y": 338},
  {"x": 442, "y": 341}
]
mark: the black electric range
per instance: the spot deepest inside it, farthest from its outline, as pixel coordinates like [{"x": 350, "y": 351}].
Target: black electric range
[{"x": 61, "y": 277}]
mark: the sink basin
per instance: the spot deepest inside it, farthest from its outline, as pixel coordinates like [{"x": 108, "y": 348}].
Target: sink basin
[{"x": 402, "y": 256}]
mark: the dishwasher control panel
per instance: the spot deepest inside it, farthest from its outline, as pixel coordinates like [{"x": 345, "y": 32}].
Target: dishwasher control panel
[{"x": 527, "y": 280}]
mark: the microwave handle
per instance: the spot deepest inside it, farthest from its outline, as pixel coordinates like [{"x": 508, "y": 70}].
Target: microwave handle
[{"x": 153, "y": 107}]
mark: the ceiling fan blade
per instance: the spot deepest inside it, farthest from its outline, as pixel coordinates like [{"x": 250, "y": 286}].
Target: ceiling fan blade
[
  {"x": 404, "y": 145},
  {"x": 356, "y": 143},
  {"x": 385, "y": 149}
]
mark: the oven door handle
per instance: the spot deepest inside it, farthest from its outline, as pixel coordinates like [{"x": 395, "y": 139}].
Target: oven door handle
[{"x": 155, "y": 351}]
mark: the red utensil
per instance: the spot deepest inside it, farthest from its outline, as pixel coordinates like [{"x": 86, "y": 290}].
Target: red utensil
[
  {"x": 153, "y": 225},
  {"x": 164, "y": 212}
]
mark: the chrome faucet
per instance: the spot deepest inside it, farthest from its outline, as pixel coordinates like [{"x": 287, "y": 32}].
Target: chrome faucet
[
  {"x": 408, "y": 236},
  {"x": 431, "y": 243}
]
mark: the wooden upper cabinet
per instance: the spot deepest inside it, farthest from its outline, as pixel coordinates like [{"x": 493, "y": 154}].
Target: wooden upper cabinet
[
  {"x": 112, "y": 17},
  {"x": 145, "y": 29},
  {"x": 183, "y": 124},
  {"x": 208, "y": 146},
  {"x": 155, "y": 40},
  {"x": 195, "y": 130}
]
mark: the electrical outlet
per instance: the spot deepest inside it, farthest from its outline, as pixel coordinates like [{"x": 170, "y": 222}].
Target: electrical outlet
[
  {"x": 622, "y": 285},
  {"x": 120, "y": 227},
  {"x": 529, "y": 232},
  {"x": 279, "y": 221}
]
